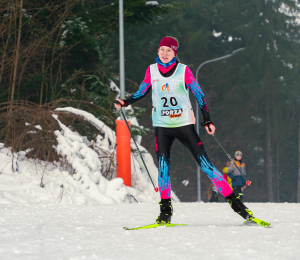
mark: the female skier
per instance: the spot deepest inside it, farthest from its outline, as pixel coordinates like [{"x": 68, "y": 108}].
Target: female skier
[{"x": 173, "y": 117}]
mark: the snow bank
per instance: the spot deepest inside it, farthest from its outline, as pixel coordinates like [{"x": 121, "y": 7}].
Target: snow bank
[
  {"x": 78, "y": 179},
  {"x": 106, "y": 143}
]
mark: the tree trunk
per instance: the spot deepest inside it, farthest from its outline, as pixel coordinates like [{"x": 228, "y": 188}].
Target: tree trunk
[
  {"x": 298, "y": 190},
  {"x": 269, "y": 153},
  {"x": 276, "y": 137},
  {"x": 277, "y": 174},
  {"x": 14, "y": 83},
  {"x": 16, "y": 57},
  {"x": 5, "y": 48}
]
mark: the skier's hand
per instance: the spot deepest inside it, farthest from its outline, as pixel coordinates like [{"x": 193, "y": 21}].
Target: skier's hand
[
  {"x": 212, "y": 129},
  {"x": 117, "y": 106}
]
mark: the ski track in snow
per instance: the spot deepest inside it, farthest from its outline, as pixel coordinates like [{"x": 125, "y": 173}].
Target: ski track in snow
[{"x": 214, "y": 231}]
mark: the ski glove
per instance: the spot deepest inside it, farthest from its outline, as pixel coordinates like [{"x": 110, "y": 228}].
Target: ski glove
[
  {"x": 207, "y": 123},
  {"x": 124, "y": 105}
]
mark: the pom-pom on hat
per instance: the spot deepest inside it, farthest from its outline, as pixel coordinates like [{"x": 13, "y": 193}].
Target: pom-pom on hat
[
  {"x": 238, "y": 153},
  {"x": 169, "y": 42}
]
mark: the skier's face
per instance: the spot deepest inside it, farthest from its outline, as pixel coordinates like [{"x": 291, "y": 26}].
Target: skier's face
[
  {"x": 165, "y": 54},
  {"x": 238, "y": 157}
]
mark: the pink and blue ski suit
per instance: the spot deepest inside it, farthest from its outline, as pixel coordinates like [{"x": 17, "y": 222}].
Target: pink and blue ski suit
[{"x": 173, "y": 118}]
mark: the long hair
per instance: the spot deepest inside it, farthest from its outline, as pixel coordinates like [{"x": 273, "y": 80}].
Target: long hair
[{"x": 178, "y": 46}]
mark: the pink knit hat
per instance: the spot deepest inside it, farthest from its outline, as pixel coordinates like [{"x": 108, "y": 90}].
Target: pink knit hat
[{"x": 169, "y": 42}]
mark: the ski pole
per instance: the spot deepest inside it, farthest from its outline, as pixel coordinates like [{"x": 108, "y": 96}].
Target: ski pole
[
  {"x": 248, "y": 183},
  {"x": 118, "y": 103}
]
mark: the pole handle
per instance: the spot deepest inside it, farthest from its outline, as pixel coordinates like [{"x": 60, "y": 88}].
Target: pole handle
[
  {"x": 207, "y": 123},
  {"x": 117, "y": 102}
]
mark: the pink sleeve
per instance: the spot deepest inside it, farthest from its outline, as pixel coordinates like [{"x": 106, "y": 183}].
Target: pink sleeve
[
  {"x": 188, "y": 76},
  {"x": 147, "y": 78}
]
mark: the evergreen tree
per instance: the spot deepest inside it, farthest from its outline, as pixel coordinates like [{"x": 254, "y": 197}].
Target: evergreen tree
[{"x": 267, "y": 77}]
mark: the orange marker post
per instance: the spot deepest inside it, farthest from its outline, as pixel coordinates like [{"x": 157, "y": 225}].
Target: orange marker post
[{"x": 123, "y": 152}]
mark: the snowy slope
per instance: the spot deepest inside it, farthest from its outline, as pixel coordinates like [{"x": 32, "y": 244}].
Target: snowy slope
[{"x": 95, "y": 232}]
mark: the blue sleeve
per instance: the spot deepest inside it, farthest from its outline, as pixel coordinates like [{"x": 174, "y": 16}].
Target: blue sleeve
[
  {"x": 143, "y": 90},
  {"x": 193, "y": 85}
]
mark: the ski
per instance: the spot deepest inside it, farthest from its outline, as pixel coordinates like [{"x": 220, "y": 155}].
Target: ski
[
  {"x": 257, "y": 222},
  {"x": 155, "y": 226}
]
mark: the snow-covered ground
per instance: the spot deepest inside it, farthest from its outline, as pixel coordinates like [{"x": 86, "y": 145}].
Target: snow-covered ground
[
  {"x": 214, "y": 231},
  {"x": 69, "y": 210}
]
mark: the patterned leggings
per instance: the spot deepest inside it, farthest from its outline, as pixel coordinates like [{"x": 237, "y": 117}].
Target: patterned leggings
[{"x": 187, "y": 135}]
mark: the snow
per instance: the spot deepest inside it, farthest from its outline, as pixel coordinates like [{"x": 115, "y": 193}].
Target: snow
[
  {"x": 31, "y": 132},
  {"x": 217, "y": 34},
  {"x": 113, "y": 86},
  {"x": 185, "y": 182},
  {"x": 275, "y": 45},
  {"x": 289, "y": 65},
  {"x": 214, "y": 231},
  {"x": 256, "y": 119},
  {"x": 151, "y": 3},
  {"x": 106, "y": 144},
  {"x": 38, "y": 127},
  {"x": 293, "y": 13}
]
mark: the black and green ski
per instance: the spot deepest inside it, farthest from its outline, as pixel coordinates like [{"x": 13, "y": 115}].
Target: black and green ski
[
  {"x": 155, "y": 226},
  {"x": 254, "y": 221},
  {"x": 257, "y": 222}
]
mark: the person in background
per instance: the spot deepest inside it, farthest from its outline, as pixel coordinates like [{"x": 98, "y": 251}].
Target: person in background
[
  {"x": 213, "y": 193},
  {"x": 238, "y": 181},
  {"x": 225, "y": 174}
]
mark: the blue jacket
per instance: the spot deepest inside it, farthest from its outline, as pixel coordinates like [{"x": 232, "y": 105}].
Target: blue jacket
[{"x": 234, "y": 174}]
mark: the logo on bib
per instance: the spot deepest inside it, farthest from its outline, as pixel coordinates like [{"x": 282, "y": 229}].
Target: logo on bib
[
  {"x": 172, "y": 112},
  {"x": 165, "y": 87}
]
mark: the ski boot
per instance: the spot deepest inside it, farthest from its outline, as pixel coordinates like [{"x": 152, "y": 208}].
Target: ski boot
[
  {"x": 166, "y": 211},
  {"x": 238, "y": 206}
]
